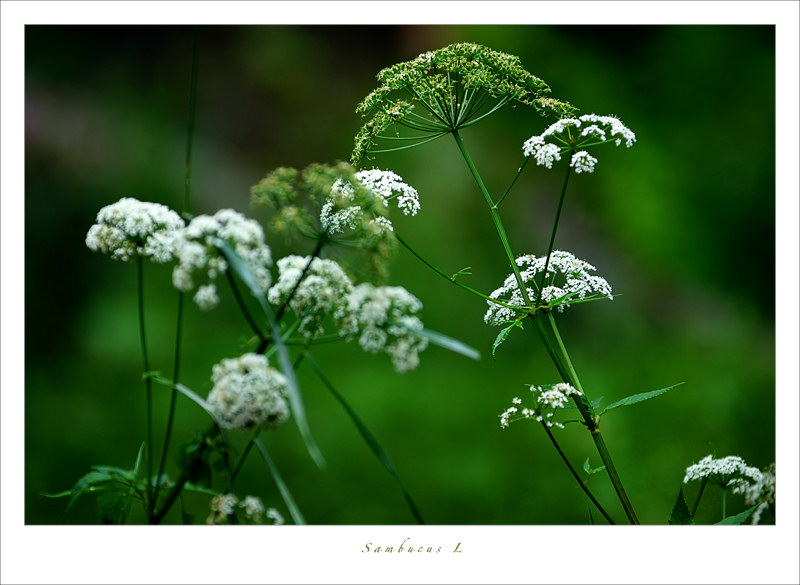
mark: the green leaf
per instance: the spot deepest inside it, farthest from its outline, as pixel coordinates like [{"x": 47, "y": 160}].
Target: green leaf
[
  {"x": 636, "y": 398},
  {"x": 450, "y": 343},
  {"x": 680, "y": 511},
  {"x": 285, "y": 494},
  {"x": 113, "y": 506},
  {"x": 504, "y": 333},
  {"x": 193, "y": 462},
  {"x": 738, "y": 518},
  {"x": 370, "y": 440},
  {"x": 293, "y": 394}
]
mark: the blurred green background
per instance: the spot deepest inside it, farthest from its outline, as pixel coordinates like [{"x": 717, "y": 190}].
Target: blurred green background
[{"x": 682, "y": 226}]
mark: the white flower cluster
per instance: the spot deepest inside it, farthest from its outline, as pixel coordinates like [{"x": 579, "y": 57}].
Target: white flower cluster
[
  {"x": 761, "y": 492},
  {"x": 730, "y": 471},
  {"x": 388, "y": 186},
  {"x": 251, "y": 510},
  {"x": 385, "y": 185},
  {"x": 573, "y": 133},
  {"x": 197, "y": 253},
  {"x": 131, "y": 227},
  {"x": 323, "y": 289},
  {"x": 757, "y": 487},
  {"x": 549, "y": 399},
  {"x": 384, "y": 318},
  {"x": 575, "y": 283},
  {"x": 248, "y": 393}
]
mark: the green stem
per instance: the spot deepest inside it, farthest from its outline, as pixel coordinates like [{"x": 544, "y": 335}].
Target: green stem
[
  {"x": 724, "y": 503},
  {"x": 498, "y": 223},
  {"x": 699, "y": 495},
  {"x": 548, "y": 331},
  {"x": 553, "y": 233},
  {"x": 581, "y": 483},
  {"x": 514, "y": 182},
  {"x": 243, "y": 306},
  {"x": 148, "y": 389}
]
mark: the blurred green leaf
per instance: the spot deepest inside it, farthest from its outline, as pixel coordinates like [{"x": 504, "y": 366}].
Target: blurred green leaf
[
  {"x": 450, "y": 343},
  {"x": 297, "y": 516}
]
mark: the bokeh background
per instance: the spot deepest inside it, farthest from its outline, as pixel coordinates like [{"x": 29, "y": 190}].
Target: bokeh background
[{"x": 682, "y": 225}]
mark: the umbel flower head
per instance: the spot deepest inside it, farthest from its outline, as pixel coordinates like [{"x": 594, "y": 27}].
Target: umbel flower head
[
  {"x": 548, "y": 399},
  {"x": 248, "y": 393},
  {"x": 567, "y": 281},
  {"x": 200, "y": 260},
  {"x": 444, "y": 90},
  {"x": 573, "y": 135},
  {"x": 336, "y": 205},
  {"x": 131, "y": 227},
  {"x": 384, "y": 320},
  {"x": 758, "y": 487},
  {"x": 318, "y": 288}
]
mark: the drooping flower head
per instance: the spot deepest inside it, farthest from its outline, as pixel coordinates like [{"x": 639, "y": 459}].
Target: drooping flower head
[
  {"x": 574, "y": 135},
  {"x": 317, "y": 287},
  {"x": 567, "y": 281},
  {"x": 131, "y": 227},
  {"x": 547, "y": 400},
  {"x": 200, "y": 260},
  {"x": 385, "y": 320},
  {"x": 248, "y": 393},
  {"x": 445, "y": 90}
]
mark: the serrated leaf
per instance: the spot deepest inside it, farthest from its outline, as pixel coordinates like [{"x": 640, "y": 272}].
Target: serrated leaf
[
  {"x": 450, "y": 343},
  {"x": 244, "y": 273},
  {"x": 636, "y": 398},
  {"x": 680, "y": 511},
  {"x": 738, "y": 518},
  {"x": 501, "y": 337}
]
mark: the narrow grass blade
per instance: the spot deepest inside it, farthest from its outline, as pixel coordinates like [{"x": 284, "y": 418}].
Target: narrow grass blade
[
  {"x": 452, "y": 344},
  {"x": 243, "y": 271},
  {"x": 370, "y": 440},
  {"x": 285, "y": 494}
]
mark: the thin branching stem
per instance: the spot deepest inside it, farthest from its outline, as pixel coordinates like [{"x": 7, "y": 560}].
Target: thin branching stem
[
  {"x": 148, "y": 389},
  {"x": 553, "y": 233},
  {"x": 574, "y": 473}
]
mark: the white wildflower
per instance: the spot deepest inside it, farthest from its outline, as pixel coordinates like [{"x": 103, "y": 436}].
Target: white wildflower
[
  {"x": 131, "y": 227},
  {"x": 571, "y": 275},
  {"x": 248, "y": 393},
  {"x": 548, "y": 399},
  {"x": 222, "y": 507},
  {"x": 384, "y": 319},
  {"x": 730, "y": 471},
  {"x": 761, "y": 491},
  {"x": 583, "y": 162},
  {"x": 389, "y": 185},
  {"x": 569, "y": 134},
  {"x": 275, "y": 516},
  {"x": 253, "y": 509},
  {"x": 198, "y": 254},
  {"x": 322, "y": 290}
]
